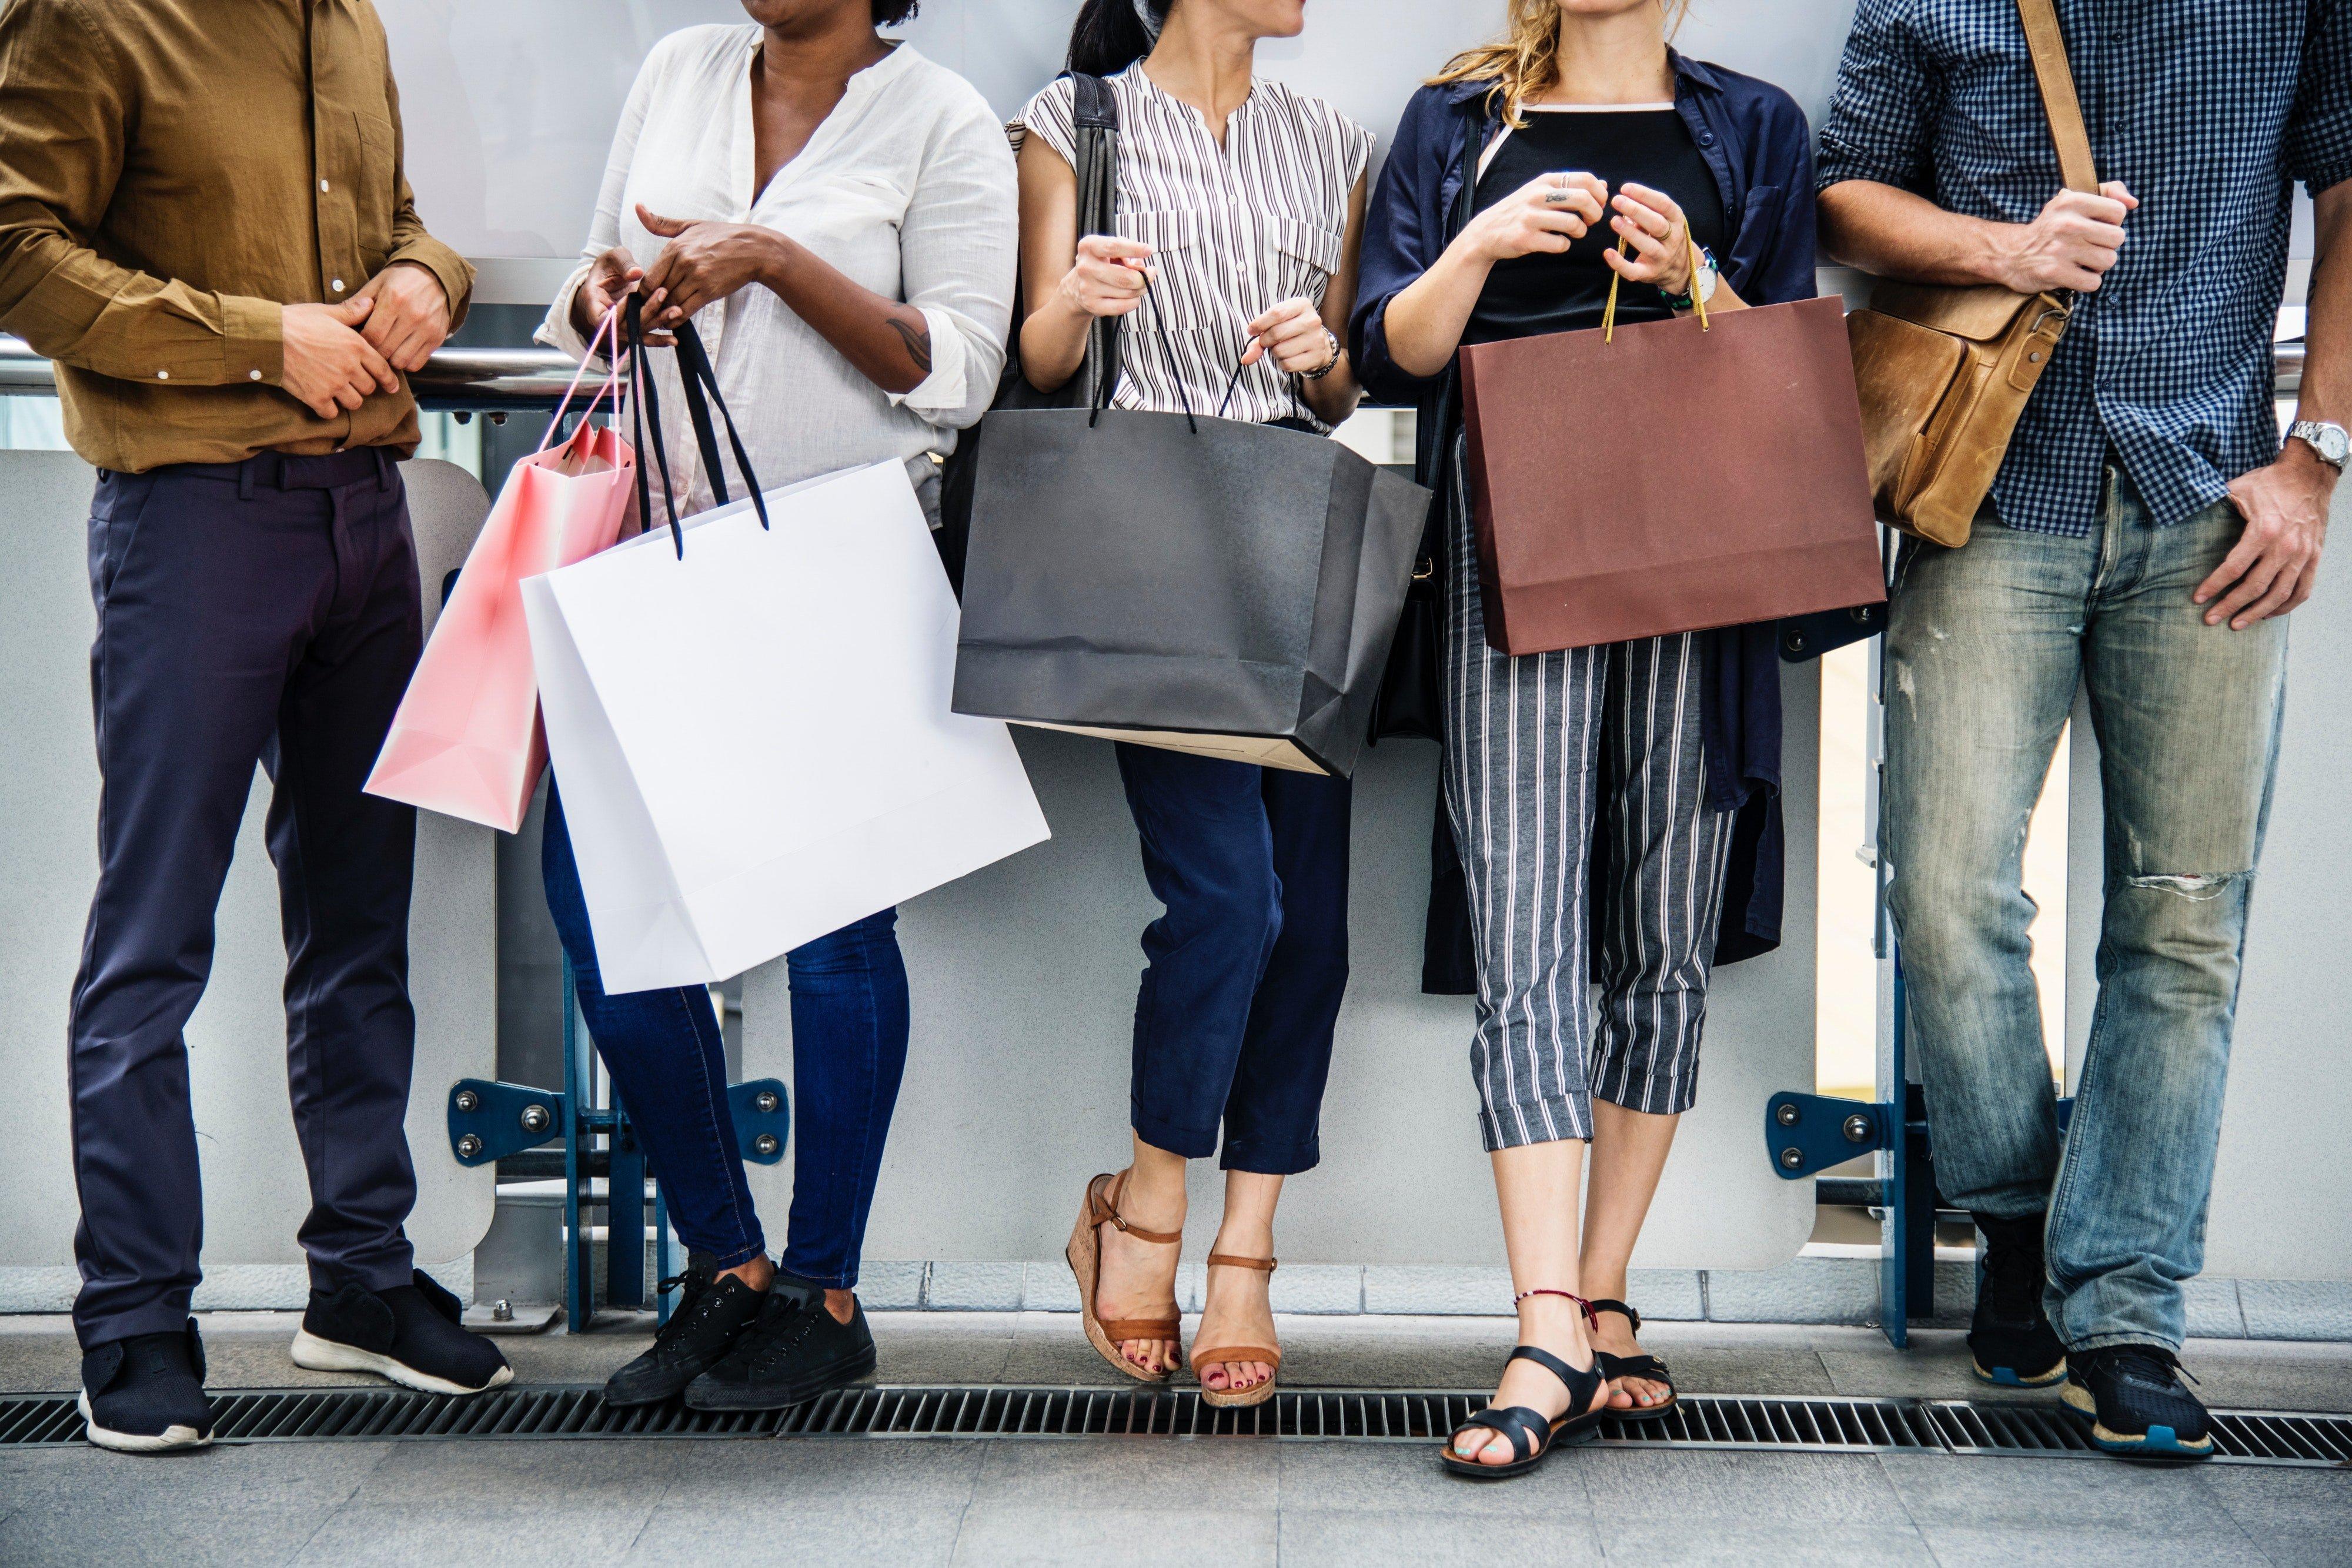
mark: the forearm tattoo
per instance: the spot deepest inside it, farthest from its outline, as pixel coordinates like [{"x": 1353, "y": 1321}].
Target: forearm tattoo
[{"x": 919, "y": 343}]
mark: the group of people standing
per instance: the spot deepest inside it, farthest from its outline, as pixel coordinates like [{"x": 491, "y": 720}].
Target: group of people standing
[{"x": 861, "y": 248}]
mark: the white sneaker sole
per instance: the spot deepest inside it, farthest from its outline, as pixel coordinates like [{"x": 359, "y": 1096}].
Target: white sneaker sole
[
  {"x": 316, "y": 1354},
  {"x": 169, "y": 1439}
]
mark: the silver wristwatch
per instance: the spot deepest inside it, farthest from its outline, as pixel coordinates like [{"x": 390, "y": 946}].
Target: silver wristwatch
[
  {"x": 2332, "y": 442},
  {"x": 1331, "y": 364}
]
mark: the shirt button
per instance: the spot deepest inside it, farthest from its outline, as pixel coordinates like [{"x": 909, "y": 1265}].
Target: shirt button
[
  {"x": 253, "y": 375},
  {"x": 163, "y": 375},
  {"x": 323, "y": 184},
  {"x": 337, "y": 284}
]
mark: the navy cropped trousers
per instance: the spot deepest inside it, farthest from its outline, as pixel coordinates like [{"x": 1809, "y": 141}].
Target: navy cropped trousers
[
  {"x": 260, "y": 611},
  {"x": 1247, "y": 969}
]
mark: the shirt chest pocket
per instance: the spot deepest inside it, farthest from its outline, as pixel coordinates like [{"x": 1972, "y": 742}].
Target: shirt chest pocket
[
  {"x": 1303, "y": 257},
  {"x": 374, "y": 178}
]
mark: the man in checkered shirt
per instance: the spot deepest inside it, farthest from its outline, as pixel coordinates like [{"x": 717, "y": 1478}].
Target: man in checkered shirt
[{"x": 2146, "y": 539}]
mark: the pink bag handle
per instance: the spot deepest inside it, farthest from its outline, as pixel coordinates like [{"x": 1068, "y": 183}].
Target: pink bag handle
[{"x": 604, "y": 329}]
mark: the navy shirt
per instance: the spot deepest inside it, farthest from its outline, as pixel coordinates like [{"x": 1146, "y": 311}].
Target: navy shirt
[
  {"x": 2209, "y": 111},
  {"x": 1758, "y": 147}
]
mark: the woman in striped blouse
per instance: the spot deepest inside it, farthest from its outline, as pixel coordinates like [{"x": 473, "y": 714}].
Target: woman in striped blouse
[{"x": 1240, "y": 215}]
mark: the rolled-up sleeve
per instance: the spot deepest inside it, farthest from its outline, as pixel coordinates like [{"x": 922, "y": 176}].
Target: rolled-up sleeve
[
  {"x": 65, "y": 110},
  {"x": 1403, "y": 236},
  {"x": 2319, "y": 133},
  {"x": 1888, "y": 98},
  {"x": 959, "y": 248}
]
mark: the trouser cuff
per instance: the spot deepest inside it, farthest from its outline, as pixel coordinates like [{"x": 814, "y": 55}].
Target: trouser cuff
[
  {"x": 1552, "y": 1119},
  {"x": 1187, "y": 1142}
]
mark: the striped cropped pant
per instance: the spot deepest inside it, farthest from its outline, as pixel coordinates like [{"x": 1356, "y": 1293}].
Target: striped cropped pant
[{"x": 1555, "y": 762}]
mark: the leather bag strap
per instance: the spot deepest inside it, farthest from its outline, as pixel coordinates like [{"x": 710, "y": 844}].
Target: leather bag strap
[{"x": 2056, "y": 76}]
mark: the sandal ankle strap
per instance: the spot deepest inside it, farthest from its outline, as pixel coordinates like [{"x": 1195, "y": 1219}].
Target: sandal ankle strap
[
  {"x": 1602, "y": 1304},
  {"x": 1102, "y": 1208},
  {"x": 1229, "y": 1261}
]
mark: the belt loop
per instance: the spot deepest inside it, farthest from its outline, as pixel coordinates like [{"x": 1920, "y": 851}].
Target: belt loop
[
  {"x": 245, "y": 475},
  {"x": 383, "y": 468}
]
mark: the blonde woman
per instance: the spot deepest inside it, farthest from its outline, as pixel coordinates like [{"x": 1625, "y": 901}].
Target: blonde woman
[{"x": 1615, "y": 805}]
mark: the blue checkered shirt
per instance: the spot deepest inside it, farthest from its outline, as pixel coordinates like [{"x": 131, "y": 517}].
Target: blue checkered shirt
[{"x": 2209, "y": 111}]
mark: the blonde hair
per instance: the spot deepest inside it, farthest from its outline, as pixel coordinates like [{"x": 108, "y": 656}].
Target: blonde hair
[{"x": 1524, "y": 62}]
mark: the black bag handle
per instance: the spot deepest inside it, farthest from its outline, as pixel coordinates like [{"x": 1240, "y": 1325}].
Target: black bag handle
[
  {"x": 694, "y": 364},
  {"x": 695, "y": 375},
  {"x": 641, "y": 398}
]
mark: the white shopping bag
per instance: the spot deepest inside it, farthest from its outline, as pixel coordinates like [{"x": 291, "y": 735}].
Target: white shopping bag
[{"x": 752, "y": 732}]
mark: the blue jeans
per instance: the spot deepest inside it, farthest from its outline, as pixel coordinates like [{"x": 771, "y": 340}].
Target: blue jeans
[
  {"x": 667, "y": 1059},
  {"x": 1986, "y": 646}
]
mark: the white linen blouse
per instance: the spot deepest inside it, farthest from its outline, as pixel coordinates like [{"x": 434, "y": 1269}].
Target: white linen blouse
[{"x": 908, "y": 187}]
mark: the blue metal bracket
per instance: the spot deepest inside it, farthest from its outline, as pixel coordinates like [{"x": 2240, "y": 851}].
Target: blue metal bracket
[
  {"x": 763, "y": 1119},
  {"x": 489, "y": 1120},
  {"x": 1807, "y": 1134}
]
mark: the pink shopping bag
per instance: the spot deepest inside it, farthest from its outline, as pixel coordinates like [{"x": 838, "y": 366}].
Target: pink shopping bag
[{"x": 467, "y": 741}]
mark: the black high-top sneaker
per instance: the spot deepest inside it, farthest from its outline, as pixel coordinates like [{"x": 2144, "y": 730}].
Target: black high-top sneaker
[
  {"x": 145, "y": 1395},
  {"x": 711, "y": 1314},
  {"x": 795, "y": 1351},
  {"x": 2133, "y": 1398},
  {"x": 410, "y": 1333},
  {"x": 2011, "y": 1340}
]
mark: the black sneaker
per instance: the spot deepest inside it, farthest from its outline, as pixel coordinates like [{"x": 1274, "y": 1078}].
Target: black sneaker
[
  {"x": 710, "y": 1316},
  {"x": 792, "y": 1354},
  {"x": 2136, "y": 1403},
  {"x": 409, "y": 1333},
  {"x": 2011, "y": 1340},
  {"x": 145, "y": 1395}
]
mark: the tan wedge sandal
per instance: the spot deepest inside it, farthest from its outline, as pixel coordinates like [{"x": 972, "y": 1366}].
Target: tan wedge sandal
[
  {"x": 1258, "y": 1394},
  {"x": 1101, "y": 1208}
]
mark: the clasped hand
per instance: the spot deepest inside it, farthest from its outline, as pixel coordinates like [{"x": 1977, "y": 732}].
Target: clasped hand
[{"x": 1552, "y": 212}]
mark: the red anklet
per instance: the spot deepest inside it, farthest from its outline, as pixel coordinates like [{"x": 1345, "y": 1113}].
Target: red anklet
[{"x": 1590, "y": 1316}]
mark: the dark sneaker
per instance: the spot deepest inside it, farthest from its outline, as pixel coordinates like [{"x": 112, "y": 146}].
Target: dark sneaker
[
  {"x": 792, "y": 1354},
  {"x": 409, "y": 1333},
  {"x": 2136, "y": 1403},
  {"x": 710, "y": 1316},
  {"x": 2011, "y": 1340},
  {"x": 145, "y": 1395}
]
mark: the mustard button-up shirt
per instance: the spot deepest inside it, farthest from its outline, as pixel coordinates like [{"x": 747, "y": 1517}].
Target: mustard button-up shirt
[{"x": 173, "y": 172}]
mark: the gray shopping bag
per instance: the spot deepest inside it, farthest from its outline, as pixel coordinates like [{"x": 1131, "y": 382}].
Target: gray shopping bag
[{"x": 1191, "y": 583}]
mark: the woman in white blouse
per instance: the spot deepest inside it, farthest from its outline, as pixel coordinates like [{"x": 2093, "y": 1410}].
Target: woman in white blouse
[
  {"x": 835, "y": 214},
  {"x": 1240, "y": 214}
]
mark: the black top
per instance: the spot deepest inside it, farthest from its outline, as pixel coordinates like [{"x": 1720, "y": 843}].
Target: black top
[{"x": 1544, "y": 293}]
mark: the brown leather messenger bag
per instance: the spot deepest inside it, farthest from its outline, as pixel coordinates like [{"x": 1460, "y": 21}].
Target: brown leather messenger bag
[{"x": 1943, "y": 372}]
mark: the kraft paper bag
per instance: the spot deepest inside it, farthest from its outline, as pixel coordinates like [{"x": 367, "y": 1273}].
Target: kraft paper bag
[{"x": 1686, "y": 475}]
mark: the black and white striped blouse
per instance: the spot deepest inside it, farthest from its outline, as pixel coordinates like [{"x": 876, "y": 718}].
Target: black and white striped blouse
[{"x": 1237, "y": 229}]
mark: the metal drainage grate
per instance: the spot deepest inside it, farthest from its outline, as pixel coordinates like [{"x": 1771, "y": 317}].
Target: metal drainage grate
[
  {"x": 1702, "y": 1421},
  {"x": 2245, "y": 1436}
]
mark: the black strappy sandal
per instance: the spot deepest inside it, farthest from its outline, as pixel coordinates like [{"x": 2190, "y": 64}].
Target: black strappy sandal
[
  {"x": 1648, "y": 1368},
  {"x": 1532, "y": 1434}
]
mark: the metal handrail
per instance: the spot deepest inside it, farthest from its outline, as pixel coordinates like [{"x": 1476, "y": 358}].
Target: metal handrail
[
  {"x": 466, "y": 380},
  {"x": 458, "y": 379}
]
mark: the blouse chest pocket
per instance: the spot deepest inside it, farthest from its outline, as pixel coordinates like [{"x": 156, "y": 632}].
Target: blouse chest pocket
[
  {"x": 1305, "y": 256},
  {"x": 1164, "y": 232}
]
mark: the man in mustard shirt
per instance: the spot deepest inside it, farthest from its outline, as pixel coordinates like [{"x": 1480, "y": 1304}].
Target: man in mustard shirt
[{"x": 204, "y": 223}]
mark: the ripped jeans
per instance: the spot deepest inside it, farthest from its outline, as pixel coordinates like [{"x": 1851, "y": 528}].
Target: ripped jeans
[{"x": 1986, "y": 646}]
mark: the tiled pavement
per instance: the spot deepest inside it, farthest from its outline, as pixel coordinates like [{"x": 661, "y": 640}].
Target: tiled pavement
[{"x": 1110, "y": 1503}]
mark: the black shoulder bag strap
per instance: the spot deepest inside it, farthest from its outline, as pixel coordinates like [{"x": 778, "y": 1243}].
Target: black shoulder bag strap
[{"x": 1094, "y": 112}]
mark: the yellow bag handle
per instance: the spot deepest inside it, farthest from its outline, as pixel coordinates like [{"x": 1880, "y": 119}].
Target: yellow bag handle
[{"x": 1625, "y": 247}]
